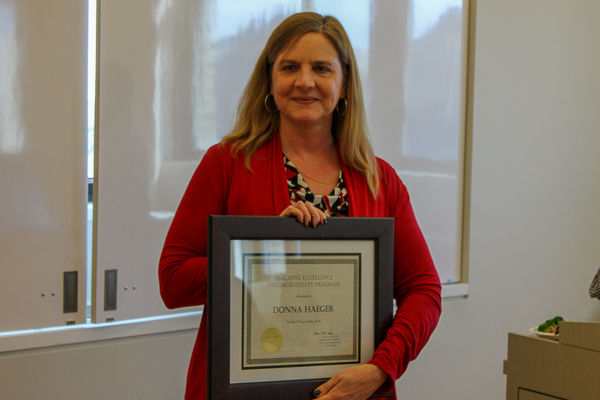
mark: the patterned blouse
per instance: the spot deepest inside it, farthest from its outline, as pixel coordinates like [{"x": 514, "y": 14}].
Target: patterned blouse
[{"x": 334, "y": 205}]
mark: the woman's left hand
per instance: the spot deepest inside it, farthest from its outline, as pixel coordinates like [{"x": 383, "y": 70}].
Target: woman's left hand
[{"x": 354, "y": 383}]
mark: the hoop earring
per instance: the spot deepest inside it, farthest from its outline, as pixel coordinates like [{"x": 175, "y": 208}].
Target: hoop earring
[
  {"x": 345, "y": 107},
  {"x": 267, "y": 105}
]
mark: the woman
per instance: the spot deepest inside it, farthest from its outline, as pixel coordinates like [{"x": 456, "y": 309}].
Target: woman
[{"x": 300, "y": 148}]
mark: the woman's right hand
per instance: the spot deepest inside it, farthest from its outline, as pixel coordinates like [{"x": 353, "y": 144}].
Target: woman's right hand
[{"x": 306, "y": 214}]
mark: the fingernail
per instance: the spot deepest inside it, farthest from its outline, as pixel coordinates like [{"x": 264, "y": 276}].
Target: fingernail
[
  {"x": 325, "y": 222},
  {"x": 316, "y": 392}
]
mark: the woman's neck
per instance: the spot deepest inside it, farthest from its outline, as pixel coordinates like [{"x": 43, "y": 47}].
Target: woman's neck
[
  {"x": 307, "y": 143},
  {"x": 315, "y": 156}
]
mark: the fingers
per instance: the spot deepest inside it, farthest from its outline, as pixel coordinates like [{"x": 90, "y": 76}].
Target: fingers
[
  {"x": 306, "y": 214},
  {"x": 322, "y": 217},
  {"x": 325, "y": 388},
  {"x": 317, "y": 216},
  {"x": 306, "y": 210},
  {"x": 353, "y": 383},
  {"x": 294, "y": 212}
]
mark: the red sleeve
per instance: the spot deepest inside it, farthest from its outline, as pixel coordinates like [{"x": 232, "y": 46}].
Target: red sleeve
[
  {"x": 417, "y": 288},
  {"x": 183, "y": 262}
]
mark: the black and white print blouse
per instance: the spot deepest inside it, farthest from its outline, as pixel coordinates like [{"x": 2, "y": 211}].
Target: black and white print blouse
[{"x": 334, "y": 205}]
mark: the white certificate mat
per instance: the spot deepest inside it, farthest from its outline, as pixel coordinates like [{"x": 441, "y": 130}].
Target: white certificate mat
[{"x": 303, "y": 309}]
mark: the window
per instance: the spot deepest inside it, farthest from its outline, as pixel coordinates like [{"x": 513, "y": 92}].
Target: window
[{"x": 170, "y": 74}]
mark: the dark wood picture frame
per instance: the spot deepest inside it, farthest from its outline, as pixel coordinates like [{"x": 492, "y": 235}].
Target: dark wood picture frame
[{"x": 222, "y": 230}]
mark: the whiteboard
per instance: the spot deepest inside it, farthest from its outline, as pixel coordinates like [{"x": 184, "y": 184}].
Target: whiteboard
[{"x": 171, "y": 72}]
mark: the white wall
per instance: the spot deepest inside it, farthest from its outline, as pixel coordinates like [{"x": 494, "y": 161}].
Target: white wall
[
  {"x": 535, "y": 192},
  {"x": 146, "y": 367},
  {"x": 534, "y": 223}
]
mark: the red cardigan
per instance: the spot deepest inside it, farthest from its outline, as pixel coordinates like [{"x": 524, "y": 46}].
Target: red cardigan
[{"x": 222, "y": 185}]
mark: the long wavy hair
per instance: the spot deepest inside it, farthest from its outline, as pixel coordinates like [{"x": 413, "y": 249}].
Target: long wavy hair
[{"x": 255, "y": 124}]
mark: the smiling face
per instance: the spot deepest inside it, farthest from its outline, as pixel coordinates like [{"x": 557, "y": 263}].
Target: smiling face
[{"x": 307, "y": 82}]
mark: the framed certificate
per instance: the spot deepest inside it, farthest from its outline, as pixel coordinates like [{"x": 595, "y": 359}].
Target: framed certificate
[{"x": 289, "y": 306}]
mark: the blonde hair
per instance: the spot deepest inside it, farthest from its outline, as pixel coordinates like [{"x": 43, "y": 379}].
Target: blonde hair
[{"x": 255, "y": 124}]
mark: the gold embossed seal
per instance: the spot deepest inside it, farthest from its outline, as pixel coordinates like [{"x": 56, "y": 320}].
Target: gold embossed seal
[{"x": 271, "y": 340}]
